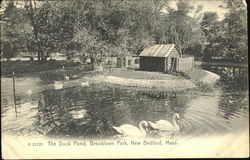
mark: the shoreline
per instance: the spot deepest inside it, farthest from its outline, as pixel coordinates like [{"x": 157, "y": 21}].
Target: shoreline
[
  {"x": 170, "y": 84},
  {"x": 129, "y": 78}
]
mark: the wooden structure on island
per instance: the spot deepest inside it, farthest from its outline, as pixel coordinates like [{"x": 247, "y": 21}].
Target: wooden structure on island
[{"x": 162, "y": 57}]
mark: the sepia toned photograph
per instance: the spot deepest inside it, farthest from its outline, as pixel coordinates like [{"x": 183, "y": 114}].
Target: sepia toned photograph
[{"x": 84, "y": 79}]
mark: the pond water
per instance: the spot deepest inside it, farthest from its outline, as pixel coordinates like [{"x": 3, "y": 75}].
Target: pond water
[{"x": 92, "y": 111}]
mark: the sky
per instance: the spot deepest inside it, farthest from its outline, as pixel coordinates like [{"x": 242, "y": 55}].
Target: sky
[{"x": 208, "y": 6}]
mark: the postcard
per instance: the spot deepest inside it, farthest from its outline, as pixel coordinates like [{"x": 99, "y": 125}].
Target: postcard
[{"x": 88, "y": 79}]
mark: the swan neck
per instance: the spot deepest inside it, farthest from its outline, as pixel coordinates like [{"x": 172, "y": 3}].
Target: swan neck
[
  {"x": 175, "y": 123},
  {"x": 142, "y": 129}
]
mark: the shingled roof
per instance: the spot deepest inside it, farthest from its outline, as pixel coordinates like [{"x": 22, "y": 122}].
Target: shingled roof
[{"x": 160, "y": 50}]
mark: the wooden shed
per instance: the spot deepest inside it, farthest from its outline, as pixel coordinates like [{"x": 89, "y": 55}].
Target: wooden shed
[{"x": 163, "y": 58}]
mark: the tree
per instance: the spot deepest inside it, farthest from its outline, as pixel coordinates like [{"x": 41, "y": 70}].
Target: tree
[
  {"x": 32, "y": 13},
  {"x": 183, "y": 30},
  {"x": 108, "y": 27},
  {"x": 214, "y": 34},
  {"x": 235, "y": 26},
  {"x": 13, "y": 30},
  {"x": 90, "y": 45}
]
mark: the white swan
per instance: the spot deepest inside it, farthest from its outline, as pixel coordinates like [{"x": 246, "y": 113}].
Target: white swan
[
  {"x": 83, "y": 84},
  {"x": 130, "y": 130},
  {"x": 66, "y": 78},
  {"x": 58, "y": 85},
  {"x": 78, "y": 114},
  {"x": 29, "y": 92},
  {"x": 164, "y": 125},
  {"x": 166, "y": 128}
]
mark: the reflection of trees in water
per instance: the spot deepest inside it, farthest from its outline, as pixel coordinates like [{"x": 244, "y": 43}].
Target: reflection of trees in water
[
  {"x": 161, "y": 104},
  {"x": 151, "y": 105},
  {"x": 53, "y": 111},
  {"x": 55, "y": 106},
  {"x": 229, "y": 73},
  {"x": 105, "y": 107},
  {"x": 232, "y": 104},
  {"x": 100, "y": 108}
]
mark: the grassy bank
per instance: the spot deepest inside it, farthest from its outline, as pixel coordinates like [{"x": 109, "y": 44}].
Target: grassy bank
[
  {"x": 120, "y": 77},
  {"x": 137, "y": 74},
  {"x": 144, "y": 79},
  {"x": 52, "y": 70},
  {"x": 7, "y": 67}
]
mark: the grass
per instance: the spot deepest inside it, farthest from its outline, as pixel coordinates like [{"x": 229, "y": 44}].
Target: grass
[
  {"x": 137, "y": 74},
  {"x": 144, "y": 79},
  {"x": 197, "y": 73}
]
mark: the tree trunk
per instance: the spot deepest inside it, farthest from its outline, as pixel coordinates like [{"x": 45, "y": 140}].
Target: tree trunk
[
  {"x": 39, "y": 49},
  {"x": 92, "y": 60},
  {"x": 31, "y": 13},
  {"x": 180, "y": 49}
]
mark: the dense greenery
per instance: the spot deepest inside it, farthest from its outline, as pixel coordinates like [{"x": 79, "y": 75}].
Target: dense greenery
[
  {"x": 226, "y": 39},
  {"x": 97, "y": 28}
]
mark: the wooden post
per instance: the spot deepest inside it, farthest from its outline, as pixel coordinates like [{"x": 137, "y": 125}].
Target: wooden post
[
  {"x": 63, "y": 71},
  {"x": 63, "y": 75},
  {"x": 14, "y": 91}
]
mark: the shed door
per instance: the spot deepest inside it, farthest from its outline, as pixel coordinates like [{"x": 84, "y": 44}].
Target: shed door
[{"x": 173, "y": 64}]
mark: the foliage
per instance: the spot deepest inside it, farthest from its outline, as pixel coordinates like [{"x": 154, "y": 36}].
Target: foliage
[
  {"x": 15, "y": 31},
  {"x": 212, "y": 29},
  {"x": 98, "y": 28},
  {"x": 183, "y": 30},
  {"x": 235, "y": 26},
  {"x": 226, "y": 39}
]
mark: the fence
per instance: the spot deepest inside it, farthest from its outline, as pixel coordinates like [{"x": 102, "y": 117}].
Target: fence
[
  {"x": 185, "y": 65},
  {"x": 124, "y": 62}
]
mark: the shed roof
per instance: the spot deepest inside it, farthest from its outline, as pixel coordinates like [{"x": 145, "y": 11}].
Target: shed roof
[{"x": 159, "y": 50}]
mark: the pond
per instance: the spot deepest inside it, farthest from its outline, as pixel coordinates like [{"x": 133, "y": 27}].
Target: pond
[{"x": 92, "y": 111}]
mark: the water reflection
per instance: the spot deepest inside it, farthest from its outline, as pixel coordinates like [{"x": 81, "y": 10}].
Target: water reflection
[
  {"x": 229, "y": 73},
  {"x": 92, "y": 111},
  {"x": 56, "y": 107},
  {"x": 103, "y": 108}
]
